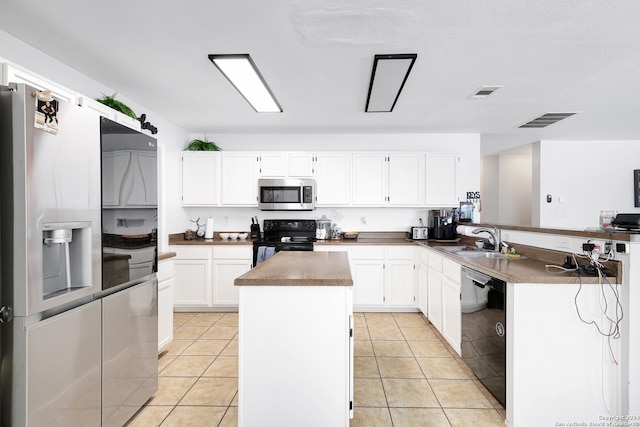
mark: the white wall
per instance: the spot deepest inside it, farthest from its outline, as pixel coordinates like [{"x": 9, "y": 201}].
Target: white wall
[
  {"x": 489, "y": 186},
  {"x": 350, "y": 219},
  {"x": 506, "y": 187},
  {"x": 583, "y": 178}
]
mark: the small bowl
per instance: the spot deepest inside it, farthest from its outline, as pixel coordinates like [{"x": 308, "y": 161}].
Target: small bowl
[
  {"x": 480, "y": 244},
  {"x": 243, "y": 236},
  {"x": 233, "y": 236},
  {"x": 224, "y": 236}
]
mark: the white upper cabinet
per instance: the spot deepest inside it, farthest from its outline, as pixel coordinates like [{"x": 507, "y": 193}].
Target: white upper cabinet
[
  {"x": 300, "y": 165},
  {"x": 200, "y": 178},
  {"x": 441, "y": 180},
  {"x": 273, "y": 165},
  {"x": 286, "y": 165},
  {"x": 406, "y": 179},
  {"x": 382, "y": 179},
  {"x": 411, "y": 179},
  {"x": 370, "y": 179},
  {"x": 239, "y": 179},
  {"x": 333, "y": 179}
]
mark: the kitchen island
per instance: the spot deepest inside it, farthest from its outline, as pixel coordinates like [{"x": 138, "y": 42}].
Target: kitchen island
[{"x": 296, "y": 341}]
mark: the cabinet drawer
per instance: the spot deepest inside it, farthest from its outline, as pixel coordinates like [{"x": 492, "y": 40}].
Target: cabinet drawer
[
  {"x": 165, "y": 270},
  {"x": 435, "y": 261},
  {"x": 451, "y": 269},
  {"x": 406, "y": 253},
  {"x": 191, "y": 252},
  {"x": 233, "y": 252},
  {"x": 367, "y": 252}
]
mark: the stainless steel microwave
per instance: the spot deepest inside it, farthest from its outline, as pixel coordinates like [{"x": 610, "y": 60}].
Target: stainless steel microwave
[{"x": 286, "y": 194}]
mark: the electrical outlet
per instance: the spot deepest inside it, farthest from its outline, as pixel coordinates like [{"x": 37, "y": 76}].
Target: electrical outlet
[
  {"x": 562, "y": 242},
  {"x": 599, "y": 248}
]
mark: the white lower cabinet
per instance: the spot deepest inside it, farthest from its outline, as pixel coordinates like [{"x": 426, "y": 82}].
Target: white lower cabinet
[
  {"x": 204, "y": 275},
  {"x": 443, "y": 305},
  {"x": 384, "y": 277},
  {"x": 452, "y": 311},
  {"x": 400, "y": 276},
  {"x": 229, "y": 263},
  {"x": 192, "y": 266},
  {"x": 423, "y": 281},
  {"x": 165, "y": 303}
]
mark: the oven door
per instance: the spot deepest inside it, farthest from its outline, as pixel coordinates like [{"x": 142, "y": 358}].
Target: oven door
[{"x": 263, "y": 251}]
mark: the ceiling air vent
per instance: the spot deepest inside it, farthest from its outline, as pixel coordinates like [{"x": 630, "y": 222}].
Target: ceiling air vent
[
  {"x": 546, "y": 120},
  {"x": 484, "y": 91}
]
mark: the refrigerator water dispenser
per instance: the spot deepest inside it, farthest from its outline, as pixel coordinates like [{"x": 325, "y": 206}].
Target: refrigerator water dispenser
[{"x": 66, "y": 258}]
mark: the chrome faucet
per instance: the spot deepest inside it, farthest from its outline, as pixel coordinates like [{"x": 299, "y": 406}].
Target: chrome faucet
[{"x": 493, "y": 232}]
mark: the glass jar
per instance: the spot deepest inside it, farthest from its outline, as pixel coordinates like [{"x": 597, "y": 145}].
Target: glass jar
[{"x": 606, "y": 217}]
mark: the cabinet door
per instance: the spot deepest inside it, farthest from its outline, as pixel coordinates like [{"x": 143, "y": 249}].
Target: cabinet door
[
  {"x": 423, "y": 283},
  {"x": 144, "y": 170},
  {"x": 370, "y": 179},
  {"x": 300, "y": 165},
  {"x": 441, "y": 179},
  {"x": 434, "y": 302},
  {"x": 225, "y": 271},
  {"x": 239, "y": 179},
  {"x": 333, "y": 179},
  {"x": 192, "y": 267},
  {"x": 368, "y": 282},
  {"x": 165, "y": 303},
  {"x": 273, "y": 165},
  {"x": 200, "y": 179},
  {"x": 118, "y": 162},
  {"x": 400, "y": 280},
  {"x": 406, "y": 179},
  {"x": 451, "y": 313}
]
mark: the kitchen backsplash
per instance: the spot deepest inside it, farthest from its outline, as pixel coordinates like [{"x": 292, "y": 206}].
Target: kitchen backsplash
[{"x": 348, "y": 219}]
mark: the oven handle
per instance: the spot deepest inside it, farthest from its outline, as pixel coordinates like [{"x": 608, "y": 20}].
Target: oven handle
[{"x": 302, "y": 196}]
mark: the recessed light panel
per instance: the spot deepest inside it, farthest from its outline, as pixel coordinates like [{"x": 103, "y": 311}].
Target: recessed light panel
[
  {"x": 243, "y": 74},
  {"x": 388, "y": 77}
]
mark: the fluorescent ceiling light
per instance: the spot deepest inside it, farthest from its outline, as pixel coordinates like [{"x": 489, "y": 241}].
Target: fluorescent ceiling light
[
  {"x": 243, "y": 74},
  {"x": 388, "y": 76}
]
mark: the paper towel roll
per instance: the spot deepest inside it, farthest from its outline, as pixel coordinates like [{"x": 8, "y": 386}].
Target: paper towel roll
[{"x": 208, "y": 234}]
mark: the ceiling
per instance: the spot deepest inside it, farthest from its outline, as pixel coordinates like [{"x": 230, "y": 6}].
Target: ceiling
[{"x": 549, "y": 56}]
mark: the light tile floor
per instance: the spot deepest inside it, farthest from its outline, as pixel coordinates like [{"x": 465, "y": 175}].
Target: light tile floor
[{"x": 405, "y": 375}]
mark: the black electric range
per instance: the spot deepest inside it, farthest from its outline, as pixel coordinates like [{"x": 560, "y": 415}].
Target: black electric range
[{"x": 284, "y": 235}]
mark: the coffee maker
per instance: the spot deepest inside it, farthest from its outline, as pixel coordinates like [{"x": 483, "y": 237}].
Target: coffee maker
[{"x": 441, "y": 226}]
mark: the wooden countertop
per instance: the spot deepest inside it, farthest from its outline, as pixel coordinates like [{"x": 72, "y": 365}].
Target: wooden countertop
[{"x": 291, "y": 268}]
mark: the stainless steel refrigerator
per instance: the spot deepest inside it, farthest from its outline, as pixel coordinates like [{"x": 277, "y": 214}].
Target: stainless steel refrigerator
[{"x": 75, "y": 346}]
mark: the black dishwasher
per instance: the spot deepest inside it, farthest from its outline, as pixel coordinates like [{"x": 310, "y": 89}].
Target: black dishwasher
[{"x": 484, "y": 329}]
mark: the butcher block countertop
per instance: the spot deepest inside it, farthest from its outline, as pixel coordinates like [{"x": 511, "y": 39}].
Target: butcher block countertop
[{"x": 293, "y": 268}]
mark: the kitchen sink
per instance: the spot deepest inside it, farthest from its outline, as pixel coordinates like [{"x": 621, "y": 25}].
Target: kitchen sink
[
  {"x": 481, "y": 254},
  {"x": 454, "y": 248},
  {"x": 471, "y": 252}
]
